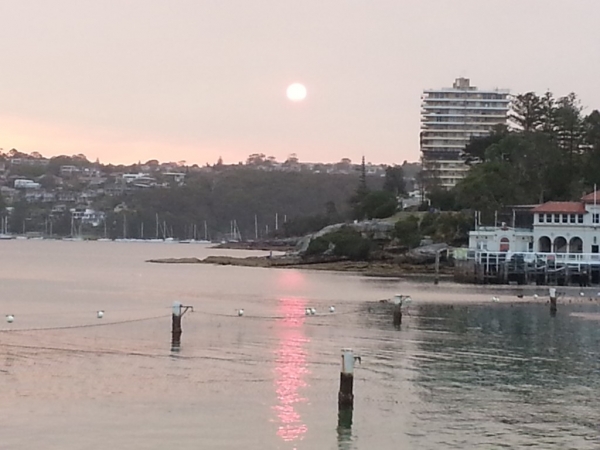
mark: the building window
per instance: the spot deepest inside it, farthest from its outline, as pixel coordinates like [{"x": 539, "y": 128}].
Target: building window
[
  {"x": 541, "y": 219},
  {"x": 565, "y": 218},
  {"x": 596, "y": 218},
  {"x": 556, "y": 218},
  {"x": 549, "y": 218},
  {"x": 572, "y": 217},
  {"x": 579, "y": 218}
]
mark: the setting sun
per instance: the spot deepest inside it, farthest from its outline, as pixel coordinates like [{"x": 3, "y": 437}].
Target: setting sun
[{"x": 296, "y": 92}]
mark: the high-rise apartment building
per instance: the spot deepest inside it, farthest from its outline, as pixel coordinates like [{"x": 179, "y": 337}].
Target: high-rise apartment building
[{"x": 450, "y": 118}]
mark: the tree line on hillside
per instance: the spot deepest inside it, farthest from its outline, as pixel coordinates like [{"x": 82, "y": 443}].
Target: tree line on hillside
[
  {"x": 254, "y": 202},
  {"x": 212, "y": 203}
]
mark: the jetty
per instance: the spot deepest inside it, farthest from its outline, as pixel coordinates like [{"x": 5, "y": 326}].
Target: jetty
[{"x": 522, "y": 268}]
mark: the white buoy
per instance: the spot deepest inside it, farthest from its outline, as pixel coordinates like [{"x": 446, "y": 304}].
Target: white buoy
[
  {"x": 582, "y": 294},
  {"x": 307, "y": 311},
  {"x": 495, "y": 299},
  {"x": 240, "y": 312},
  {"x": 332, "y": 309},
  {"x": 313, "y": 311},
  {"x": 535, "y": 296},
  {"x": 100, "y": 314},
  {"x": 10, "y": 318}
]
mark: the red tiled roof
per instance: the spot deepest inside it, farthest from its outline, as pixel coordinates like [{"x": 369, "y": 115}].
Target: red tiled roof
[
  {"x": 590, "y": 197},
  {"x": 560, "y": 207}
]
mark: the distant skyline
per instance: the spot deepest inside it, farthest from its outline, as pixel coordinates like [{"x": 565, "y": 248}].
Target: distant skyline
[{"x": 192, "y": 80}]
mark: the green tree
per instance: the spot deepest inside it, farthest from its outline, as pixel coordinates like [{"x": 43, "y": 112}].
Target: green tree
[
  {"x": 528, "y": 112},
  {"x": 476, "y": 148},
  {"x": 346, "y": 243},
  {"x": 442, "y": 199},
  {"x": 379, "y": 205},
  {"x": 522, "y": 168},
  {"x": 20, "y": 213},
  {"x": 362, "y": 190},
  {"x": 591, "y": 155},
  {"x": 394, "y": 180},
  {"x": 407, "y": 232}
]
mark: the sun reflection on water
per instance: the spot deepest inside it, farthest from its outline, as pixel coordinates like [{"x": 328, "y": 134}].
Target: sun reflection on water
[{"x": 290, "y": 368}]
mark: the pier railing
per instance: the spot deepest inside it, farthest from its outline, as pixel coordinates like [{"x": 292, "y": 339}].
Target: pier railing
[{"x": 486, "y": 257}]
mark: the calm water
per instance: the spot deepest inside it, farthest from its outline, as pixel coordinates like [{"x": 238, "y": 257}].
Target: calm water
[{"x": 455, "y": 376}]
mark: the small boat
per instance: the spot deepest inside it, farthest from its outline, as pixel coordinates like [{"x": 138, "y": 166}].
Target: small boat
[{"x": 6, "y": 237}]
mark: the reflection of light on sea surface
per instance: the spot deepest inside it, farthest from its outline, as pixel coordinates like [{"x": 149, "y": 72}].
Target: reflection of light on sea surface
[
  {"x": 290, "y": 368},
  {"x": 291, "y": 279}
]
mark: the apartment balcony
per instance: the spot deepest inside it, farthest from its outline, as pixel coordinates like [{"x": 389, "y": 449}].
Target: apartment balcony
[
  {"x": 431, "y": 124},
  {"x": 466, "y": 99},
  {"x": 429, "y": 156},
  {"x": 428, "y": 105},
  {"x": 483, "y": 130},
  {"x": 464, "y": 137},
  {"x": 443, "y": 146},
  {"x": 471, "y": 92},
  {"x": 465, "y": 113}
]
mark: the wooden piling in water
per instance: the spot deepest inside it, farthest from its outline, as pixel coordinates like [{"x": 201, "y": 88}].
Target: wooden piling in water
[
  {"x": 346, "y": 394},
  {"x": 176, "y": 328},
  {"x": 397, "y": 320},
  {"x": 553, "y": 307},
  {"x": 436, "y": 280}
]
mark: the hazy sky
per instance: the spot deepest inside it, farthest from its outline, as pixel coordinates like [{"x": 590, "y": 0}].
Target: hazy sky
[{"x": 129, "y": 80}]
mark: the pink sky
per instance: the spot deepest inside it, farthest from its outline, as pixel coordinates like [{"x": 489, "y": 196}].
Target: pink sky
[{"x": 129, "y": 80}]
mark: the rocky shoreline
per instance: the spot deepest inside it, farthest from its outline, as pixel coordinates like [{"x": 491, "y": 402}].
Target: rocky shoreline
[
  {"x": 286, "y": 245},
  {"x": 366, "y": 268}
]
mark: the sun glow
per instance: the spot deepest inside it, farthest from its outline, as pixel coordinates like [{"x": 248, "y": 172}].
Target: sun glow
[{"x": 296, "y": 92}]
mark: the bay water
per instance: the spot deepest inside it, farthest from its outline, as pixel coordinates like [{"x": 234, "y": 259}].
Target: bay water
[{"x": 461, "y": 372}]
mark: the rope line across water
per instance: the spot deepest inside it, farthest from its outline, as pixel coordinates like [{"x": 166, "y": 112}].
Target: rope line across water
[
  {"x": 104, "y": 324},
  {"x": 91, "y": 325}
]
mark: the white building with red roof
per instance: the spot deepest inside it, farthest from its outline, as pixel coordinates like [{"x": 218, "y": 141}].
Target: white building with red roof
[{"x": 570, "y": 230}]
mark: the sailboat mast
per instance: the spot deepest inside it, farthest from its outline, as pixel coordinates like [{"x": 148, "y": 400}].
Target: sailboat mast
[
  {"x": 205, "y": 231},
  {"x": 255, "y": 227}
]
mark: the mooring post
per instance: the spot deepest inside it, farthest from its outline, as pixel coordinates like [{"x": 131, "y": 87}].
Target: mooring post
[
  {"x": 436, "y": 280},
  {"x": 398, "y": 315},
  {"x": 552, "y": 292},
  {"x": 176, "y": 329},
  {"x": 346, "y": 395}
]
